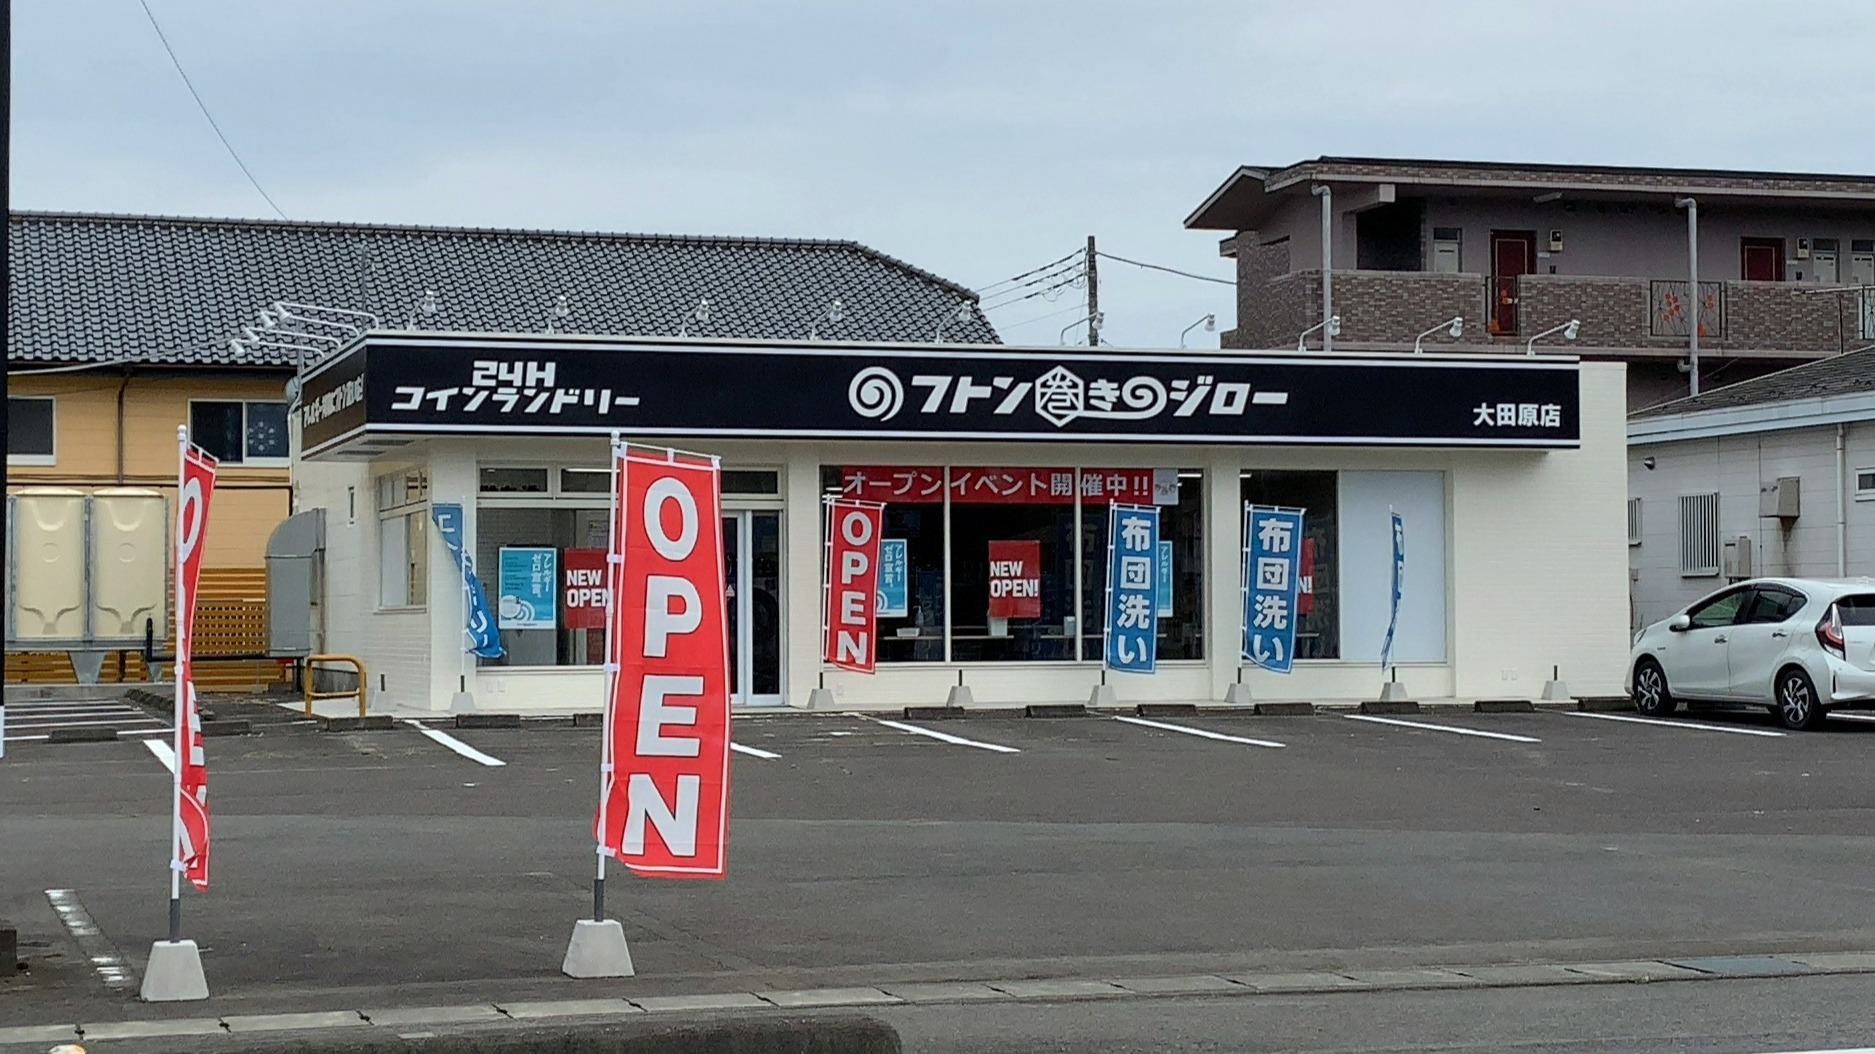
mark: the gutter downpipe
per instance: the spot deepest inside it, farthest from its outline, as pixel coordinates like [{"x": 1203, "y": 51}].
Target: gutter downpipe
[
  {"x": 1324, "y": 192},
  {"x": 122, "y": 387},
  {"x": 1842, "y": 506}
]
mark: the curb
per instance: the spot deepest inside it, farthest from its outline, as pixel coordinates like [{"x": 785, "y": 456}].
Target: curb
[
  {"x": 1504, "y": 706},
  {"x": 488, "y": 720},
  {"x": 363, "y": 1022},
  {"x": 367, "y": 723}
]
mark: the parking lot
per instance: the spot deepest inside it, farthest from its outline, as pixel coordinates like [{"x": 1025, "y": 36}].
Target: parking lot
[{"x": 868, "y": 849}]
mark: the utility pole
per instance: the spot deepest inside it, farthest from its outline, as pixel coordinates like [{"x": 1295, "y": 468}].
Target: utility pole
[{"x": 1093, "y": 295}]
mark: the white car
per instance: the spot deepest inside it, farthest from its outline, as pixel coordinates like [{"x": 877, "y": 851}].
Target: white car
[{"x": 1798, "y": 647}]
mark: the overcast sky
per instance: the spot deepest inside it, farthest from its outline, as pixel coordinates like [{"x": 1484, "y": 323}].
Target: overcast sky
[{"x": 976, "y": 139}]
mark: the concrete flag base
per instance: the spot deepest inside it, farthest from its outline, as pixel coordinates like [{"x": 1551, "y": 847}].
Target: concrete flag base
[
  {"x": 960, "y": 696},
  {"x": 462, "y": 703},
  {"x": 1393, "y": 692},
  {"x": 597, "y": 950},
  {"x": 1102, "y": 698},
  {"x": 1556, "y": 692},
  {"x": 175, "y": 973},
  {"x": 820, "y": 699},
  {"x": 1237, "y": 695}
]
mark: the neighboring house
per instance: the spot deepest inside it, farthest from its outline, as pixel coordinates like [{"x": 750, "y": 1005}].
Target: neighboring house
[
  {"x": 1772, "y": 476},
  {"x": 1786, "y": 261},
  {"x": 123, "y": 327}
]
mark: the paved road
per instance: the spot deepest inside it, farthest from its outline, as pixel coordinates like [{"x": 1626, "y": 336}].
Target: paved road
[
  {"x": 36, "y": 720},
  {"x": 864, "y": 854}
]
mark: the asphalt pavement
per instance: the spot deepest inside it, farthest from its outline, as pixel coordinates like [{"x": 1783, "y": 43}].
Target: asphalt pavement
[{"x": 421, "y": 867}]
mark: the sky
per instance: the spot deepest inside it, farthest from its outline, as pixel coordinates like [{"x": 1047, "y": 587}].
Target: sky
[{"x": 974, "y": 139}]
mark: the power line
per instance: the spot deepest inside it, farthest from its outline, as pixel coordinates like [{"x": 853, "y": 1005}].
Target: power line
[
  {"x": 204, "y": 107},
  {"x": 1068, "y": 280},
  {"x": 1072, "y": 269},
  {"x": 1027, "y": 273},
  {"x": 1168, "y": 270},
  {"x": 1042, "y": 318}
]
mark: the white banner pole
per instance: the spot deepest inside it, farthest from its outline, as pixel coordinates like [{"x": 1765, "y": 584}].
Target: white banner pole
[{"x": 182, "y": 688}]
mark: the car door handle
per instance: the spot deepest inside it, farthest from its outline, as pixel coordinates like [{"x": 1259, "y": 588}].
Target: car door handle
[
  {"x": 1719, "y": 639},
  {"x": 1779, "y": 633}
]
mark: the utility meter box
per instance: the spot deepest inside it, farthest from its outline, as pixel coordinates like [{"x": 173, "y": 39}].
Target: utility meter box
[
  {"x": 1781, "y": 498},
  {"x": 1735, "y": 560}
]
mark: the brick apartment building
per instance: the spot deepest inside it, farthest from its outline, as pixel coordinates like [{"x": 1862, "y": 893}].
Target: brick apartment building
[{"x": 1786, "y": 261}]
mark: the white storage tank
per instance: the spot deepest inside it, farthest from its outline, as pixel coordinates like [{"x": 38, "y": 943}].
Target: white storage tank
[{"x": 129, "y": 563}]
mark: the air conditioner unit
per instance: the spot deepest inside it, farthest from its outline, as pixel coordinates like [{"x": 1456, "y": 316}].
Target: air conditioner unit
[{"x": 1735, "y": 560}]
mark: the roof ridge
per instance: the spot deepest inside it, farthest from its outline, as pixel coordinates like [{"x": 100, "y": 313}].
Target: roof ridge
[
  {"x": 418, "y": 228},
  {"x": 1557, "y": 166}
]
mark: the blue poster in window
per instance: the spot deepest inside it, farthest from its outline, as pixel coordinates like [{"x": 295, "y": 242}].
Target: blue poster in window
[
  {"x": 1132, "y": 588},
  {"x": 894, "y": 579},
  {"x": 1165, "y": 579},
  {"x": 1271, "y": 553},
  {"x": 530, "y": 579},
  {"x": 483, "y": 640}
]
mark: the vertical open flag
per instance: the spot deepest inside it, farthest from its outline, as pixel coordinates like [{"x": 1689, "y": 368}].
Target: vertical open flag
[
  {"x": 850, "y": 600},
  {"x": 1132, "y": 632},
  {"x": 189, "y": 843},
  {"x": 664, "y": 807}
]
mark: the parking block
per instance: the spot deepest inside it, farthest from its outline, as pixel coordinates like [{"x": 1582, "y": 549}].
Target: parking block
[
  {"x": 1504, "y": 706},
  {"x": 1378, "y": 706},
  {"x": 488, "y": 720},
  {"x": 1283, "y": 709}
]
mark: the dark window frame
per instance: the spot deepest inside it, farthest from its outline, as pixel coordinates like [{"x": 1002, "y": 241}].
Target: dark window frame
[{"x": 50, "y": 454}]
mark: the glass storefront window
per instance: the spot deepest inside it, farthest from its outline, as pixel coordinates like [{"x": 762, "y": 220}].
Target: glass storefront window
[
  {"x": 1318, "y": 627},
  {"x": 560, "y": 529},
  {"x": 1181, "y": 633},
  {"x": 979, "y": 535},
  {"x": 1010, "y": 537}
]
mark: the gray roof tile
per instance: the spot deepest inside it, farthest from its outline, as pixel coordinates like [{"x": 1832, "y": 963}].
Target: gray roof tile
[
  {"x": 174, "y": 290},
  {"x": 1837, "y": 375}
]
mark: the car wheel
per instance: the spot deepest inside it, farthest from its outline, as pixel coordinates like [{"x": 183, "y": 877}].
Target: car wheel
[
  {"x": 1797, "y": 704},
  {"x": 1651, "y": 694}
]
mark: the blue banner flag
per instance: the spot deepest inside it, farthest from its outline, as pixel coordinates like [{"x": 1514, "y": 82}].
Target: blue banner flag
[
  {"x": 1132, "y": 588},
  {"x": 894, "y": 579},
  {"x": 483, "y": 640},
  {"x": 1399, "y": 572},
  {"x": 1272, "y": 550}
]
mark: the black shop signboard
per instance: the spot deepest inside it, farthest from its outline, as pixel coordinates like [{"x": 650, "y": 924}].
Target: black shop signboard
[{"x": 400, "y": 384}]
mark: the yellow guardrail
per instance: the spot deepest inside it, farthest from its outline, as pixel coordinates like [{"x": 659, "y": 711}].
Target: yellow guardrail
[{"x": 306, "y": 681}]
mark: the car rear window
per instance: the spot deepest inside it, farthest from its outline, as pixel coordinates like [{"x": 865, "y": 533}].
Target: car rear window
[{"x": 1857, "y": 610}]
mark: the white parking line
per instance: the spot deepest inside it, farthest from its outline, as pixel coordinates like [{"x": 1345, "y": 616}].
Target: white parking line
[
  {"x": 1675, "y": 724},
  {"x": 1853, "y": 717},
  {"x": 91, "y": 941},
  {"x": 1442, "y": 728},
  {"x": 753, "y": 752},
  {"x": 163, "y": 751},
  {"x": 1196, "y": 732},
  {"x": 944, "y": 736},
  {"x": 455, "y": 744}
]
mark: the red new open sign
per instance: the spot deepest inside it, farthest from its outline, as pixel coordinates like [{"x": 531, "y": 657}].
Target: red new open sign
[
  {"x": 1016, "y": 579},
  {"x": 582, "y": 588}
]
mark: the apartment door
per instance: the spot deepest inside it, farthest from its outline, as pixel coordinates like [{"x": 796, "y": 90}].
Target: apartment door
[
  {"x": 1762, "y": 259},
  {"x": 752, "y": 590},
  {"x": 1513, "y": 254}
]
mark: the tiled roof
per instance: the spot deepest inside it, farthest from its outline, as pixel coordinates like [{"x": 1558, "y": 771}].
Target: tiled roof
[
  {"x": 1838, "y": 375},
  {"x": 170, "y": 290}
]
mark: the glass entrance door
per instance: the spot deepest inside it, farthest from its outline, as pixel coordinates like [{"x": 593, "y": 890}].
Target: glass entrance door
[{"x": 752, "y": 591}]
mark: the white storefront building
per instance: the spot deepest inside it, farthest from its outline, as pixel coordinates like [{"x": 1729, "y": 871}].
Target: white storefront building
[{"x": 1508, "y": 473}]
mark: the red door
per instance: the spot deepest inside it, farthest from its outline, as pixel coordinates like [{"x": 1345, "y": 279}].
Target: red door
[
  {"x": 1763, "y": 259},
  {"x": 1513, "y": 254}
]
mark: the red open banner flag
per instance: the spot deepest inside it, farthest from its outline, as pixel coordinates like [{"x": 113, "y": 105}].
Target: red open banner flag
[
  {"x": 191, "y": 826},
  {"x": 852, "y": 593},
  {"x": 664, "y": 811}
]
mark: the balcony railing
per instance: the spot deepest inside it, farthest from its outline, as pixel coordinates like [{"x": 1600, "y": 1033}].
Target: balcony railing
[
  {"x": 1667, "y": 309},
  {"x": 1648, "y": 315}
]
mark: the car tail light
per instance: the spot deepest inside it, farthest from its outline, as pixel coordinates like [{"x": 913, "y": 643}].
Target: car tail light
[{"x": 1829, "y": 632}]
